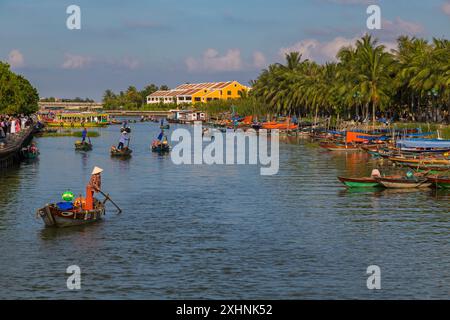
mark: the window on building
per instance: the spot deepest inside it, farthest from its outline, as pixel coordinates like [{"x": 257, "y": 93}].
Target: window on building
[
  {"x": 197, "y": 99},
  {"x": 216, "y": 98},
  {"x": 208, "y": 99},
  {"x": 229, "y": 92},
  {"x": 181, "y": 98},
  {"x": 189, "y": 98}
]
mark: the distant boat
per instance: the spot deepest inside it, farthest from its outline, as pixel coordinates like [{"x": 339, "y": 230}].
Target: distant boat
[
  {"x": 124, "y": 152},
  {"x": 83, "y": 146},
  {"x": 339, "y": 147},
  {"x": 160, "y": 147}
]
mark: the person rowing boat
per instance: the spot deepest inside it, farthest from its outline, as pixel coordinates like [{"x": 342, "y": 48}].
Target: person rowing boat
[
  {"x": 123, "y": 139},
  {"x": 94, "y": 185},
  {"x": 160, "y": 144}
]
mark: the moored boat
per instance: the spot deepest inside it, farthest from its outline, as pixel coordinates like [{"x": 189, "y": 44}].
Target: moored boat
[
  {"x": 339, "y": 147},
  {"x": 364, "y": 182},
  {"x": 403, "y": 182},
  {"x": 440, "y": 181}
]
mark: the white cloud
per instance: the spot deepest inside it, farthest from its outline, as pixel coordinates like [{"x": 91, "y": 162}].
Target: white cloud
[
  {"x": 353, "y": 1},
  {"x": 259, "y": 60},
  {"x": 326, "y": 50},
  {"x": 128, "y": 62},
  {"x": 212, "y": 61},
  {"x": 400, "y": 26},
  {"x": 15, "y": 59},
  {"x": 72, "y": 61},
  {"x": 446, "y": 8},
  {"x": 320, "y": 51}
]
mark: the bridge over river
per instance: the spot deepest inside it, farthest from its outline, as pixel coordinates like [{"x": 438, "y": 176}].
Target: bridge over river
[{"x": 138, "y": 113}]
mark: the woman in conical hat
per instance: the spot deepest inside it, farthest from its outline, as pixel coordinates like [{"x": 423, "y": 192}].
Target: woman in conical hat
[{"x": 94, "y": 185}]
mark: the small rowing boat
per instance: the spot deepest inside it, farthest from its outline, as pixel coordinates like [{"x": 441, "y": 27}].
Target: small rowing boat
[
  {"x": 339, "y": 147},
  {"x": 365, "y": 182},
  {"x": 124, "y": 152},
  {"x": 403, "y": 182},
  {"x": 63, "y": 214},
  {"x": 440, "y": 181},
  {"x": 83, "y": 146},
  {"x": 160, "y": 148}
]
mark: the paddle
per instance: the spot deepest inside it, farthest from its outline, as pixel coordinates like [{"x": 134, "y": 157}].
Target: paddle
[{"x": 108, "y": 198}]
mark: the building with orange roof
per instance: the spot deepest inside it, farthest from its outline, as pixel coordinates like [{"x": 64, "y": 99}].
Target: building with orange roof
[{"x": 192, "y": 93}]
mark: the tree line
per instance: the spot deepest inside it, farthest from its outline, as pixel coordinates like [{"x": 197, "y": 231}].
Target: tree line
[
  {"x": 17, "y": 95},
  {"x": 131, "y": 98},
  {"x": 366, "y": 81}
]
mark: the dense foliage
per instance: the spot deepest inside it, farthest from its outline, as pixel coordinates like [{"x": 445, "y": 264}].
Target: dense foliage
[
  {"x": 131, "y": 98},
  {"x": 17, "y": 95},
  {"x": 366, "y": 81}
]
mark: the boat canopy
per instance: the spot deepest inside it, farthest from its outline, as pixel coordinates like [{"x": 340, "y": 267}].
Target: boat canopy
[
  {"x": 425, "y": 134},
  {"x": 423, "y": 143}
]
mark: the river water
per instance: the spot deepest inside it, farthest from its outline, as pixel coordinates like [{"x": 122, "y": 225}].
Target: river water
[{"x": 220, "y": 232}]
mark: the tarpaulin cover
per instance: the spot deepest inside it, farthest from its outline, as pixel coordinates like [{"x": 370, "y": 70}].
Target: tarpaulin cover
[
  {"x": 65, "y": 205},
  {"x": 423, "y": 143}
]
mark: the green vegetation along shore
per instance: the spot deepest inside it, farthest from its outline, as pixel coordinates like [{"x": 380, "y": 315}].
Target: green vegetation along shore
[{"x": 17, "y": 95}]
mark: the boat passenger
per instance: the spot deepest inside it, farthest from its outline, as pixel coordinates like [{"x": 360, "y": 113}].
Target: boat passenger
[
  {"x": 375, "y": 173},
  {"x": 93, "y": 186}
]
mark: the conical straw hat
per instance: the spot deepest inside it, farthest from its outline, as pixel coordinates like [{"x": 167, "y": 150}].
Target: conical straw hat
[{"x": 97, "y": 170}]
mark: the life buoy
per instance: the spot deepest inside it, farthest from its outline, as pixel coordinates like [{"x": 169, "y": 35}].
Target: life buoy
[{"x": 67, "y": 214}]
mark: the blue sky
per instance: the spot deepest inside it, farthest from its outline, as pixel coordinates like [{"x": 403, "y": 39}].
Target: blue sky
[{"x": 171, "y": 42}]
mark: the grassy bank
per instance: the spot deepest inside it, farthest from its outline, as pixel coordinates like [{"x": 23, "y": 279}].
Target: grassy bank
[
  {"x": 69, "y": 133},
  {"x": 444, "y": 130}
]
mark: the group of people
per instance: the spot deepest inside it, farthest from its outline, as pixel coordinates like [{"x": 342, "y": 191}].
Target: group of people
[{"x": 11, "y": 125}]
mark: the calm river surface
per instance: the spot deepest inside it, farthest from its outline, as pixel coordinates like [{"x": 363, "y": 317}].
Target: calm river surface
[{"x": 219, "y": 232}]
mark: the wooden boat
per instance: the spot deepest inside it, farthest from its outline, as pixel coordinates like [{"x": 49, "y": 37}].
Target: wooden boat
[
  {"x": 125, "y": 152},
  {"x": 339, "y": 147},
  {"x": 424, "y": 161},
  {"x": 440, "y": 181},
  {"x": 54, "y": 216},
  {"x": 403, "y": 182},
  {"x": 83, "y": 146},
  {"x": 278, "y": 125},
  {"x": 428, "y": 167},
  {"x": 160, "y": 147},
  {"x": 365, "y": 182},
  {"x": 29, "y": 155}
]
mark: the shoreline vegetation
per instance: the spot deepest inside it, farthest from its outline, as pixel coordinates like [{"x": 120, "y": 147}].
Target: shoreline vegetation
[
  {"x": 17, "y": 95},
  {"x": 66, "y": 133},
  {"x": 366, "y": 83}
]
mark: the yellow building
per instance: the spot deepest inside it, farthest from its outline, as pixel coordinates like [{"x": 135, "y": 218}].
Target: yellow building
[{"x": 199, "y": 93}]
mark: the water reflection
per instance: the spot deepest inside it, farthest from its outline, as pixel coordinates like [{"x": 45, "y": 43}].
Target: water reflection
[{"x": 297, "y": 234}]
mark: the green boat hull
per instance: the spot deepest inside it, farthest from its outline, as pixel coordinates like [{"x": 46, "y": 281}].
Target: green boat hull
[
  {"x": 443, "y": 185},
  {"x": 351, "y": 184}
]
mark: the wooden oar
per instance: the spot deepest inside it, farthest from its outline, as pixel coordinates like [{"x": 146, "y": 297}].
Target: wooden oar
[{"x": 108, "y": 198}]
